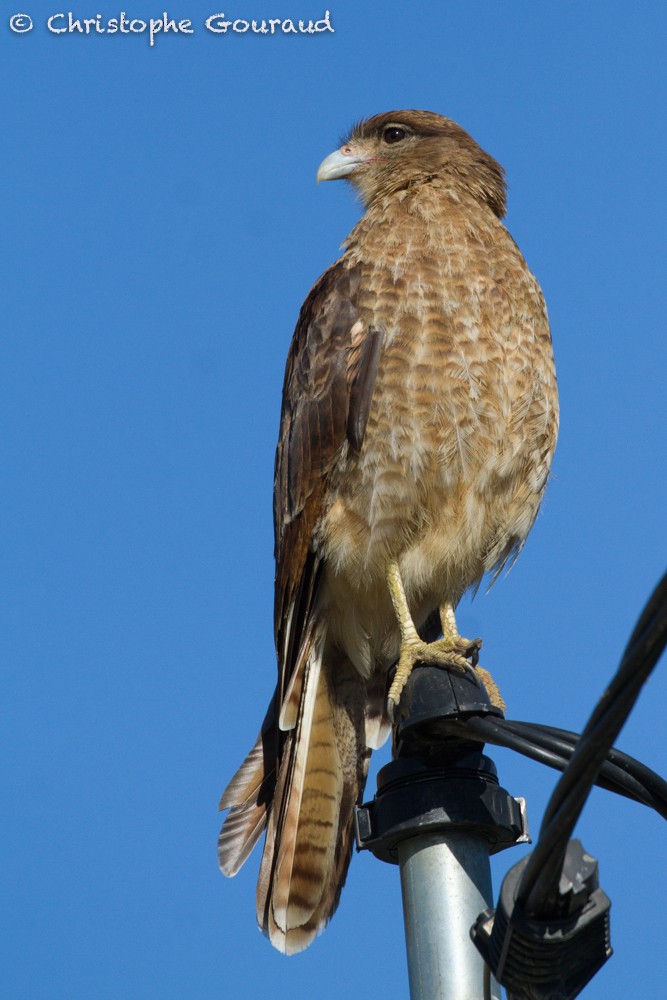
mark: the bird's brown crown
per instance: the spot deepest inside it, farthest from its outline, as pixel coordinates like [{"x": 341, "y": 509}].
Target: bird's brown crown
[{"x": 402, "y": 148}]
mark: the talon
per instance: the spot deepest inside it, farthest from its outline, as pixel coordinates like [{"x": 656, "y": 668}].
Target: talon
[
  {"x": 452, "y": 652},
  {"x": 472, "y": 651}
]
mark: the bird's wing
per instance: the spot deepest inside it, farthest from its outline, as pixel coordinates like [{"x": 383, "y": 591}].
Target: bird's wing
[{"x": 329, "y": 380}]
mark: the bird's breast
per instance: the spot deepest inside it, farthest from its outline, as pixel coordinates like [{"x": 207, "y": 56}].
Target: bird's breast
[{"x": 461, "y": 427}]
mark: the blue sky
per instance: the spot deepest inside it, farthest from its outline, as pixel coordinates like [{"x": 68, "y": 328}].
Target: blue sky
[{"x": 161, "y": 227}]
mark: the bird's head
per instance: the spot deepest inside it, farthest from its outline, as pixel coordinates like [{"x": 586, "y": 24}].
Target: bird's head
[{"x": 398, "y": 149}]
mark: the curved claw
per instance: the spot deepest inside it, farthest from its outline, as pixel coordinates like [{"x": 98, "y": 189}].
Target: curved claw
[
  {"x": 443, "y": 653},
  {"x": 472, "y": 651}
]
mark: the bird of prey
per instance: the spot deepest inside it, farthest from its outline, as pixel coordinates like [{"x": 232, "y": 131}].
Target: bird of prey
[{"x": 419, "y": 420}]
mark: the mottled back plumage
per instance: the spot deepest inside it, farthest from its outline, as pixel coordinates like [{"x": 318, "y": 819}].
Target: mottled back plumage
[{"x": 419, "y": 421}]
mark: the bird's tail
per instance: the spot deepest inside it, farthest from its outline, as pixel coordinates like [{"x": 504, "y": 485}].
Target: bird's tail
[
  {"x": 305, "y": 797},
  {"x": 248, "y": 797}
]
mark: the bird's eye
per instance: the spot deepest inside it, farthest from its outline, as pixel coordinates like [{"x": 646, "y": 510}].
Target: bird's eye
[{"x": 393, "y": 134}]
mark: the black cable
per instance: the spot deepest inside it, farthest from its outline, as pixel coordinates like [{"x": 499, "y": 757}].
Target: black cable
[
  {"x": 652, "y": 782},
  {"x": 494, "y": 731},
  {"x": 542, "y": 872},
  {"x": 554, "y": 748},
  {"x": 619, "y": 773}
]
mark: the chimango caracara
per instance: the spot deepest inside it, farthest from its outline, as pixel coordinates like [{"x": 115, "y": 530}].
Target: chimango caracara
[{"x": 418, "y": 425}]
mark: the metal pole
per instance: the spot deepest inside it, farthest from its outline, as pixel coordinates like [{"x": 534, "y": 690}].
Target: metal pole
[
  {"x": 438, "y": 813},
  {"x": 446, "y": 883}
]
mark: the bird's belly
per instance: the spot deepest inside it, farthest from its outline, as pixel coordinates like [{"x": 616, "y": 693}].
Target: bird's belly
[
  {"x": 453, "y": 464},
  {"x": 408, "y": 498},
  {"x": 439, "y": 526}
]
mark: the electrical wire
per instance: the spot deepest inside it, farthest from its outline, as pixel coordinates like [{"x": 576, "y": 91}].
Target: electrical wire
[
  {"x": 619, "y": 773},
  {"x": 584, "y": 760},
  {"x": 541, "y": 875}
]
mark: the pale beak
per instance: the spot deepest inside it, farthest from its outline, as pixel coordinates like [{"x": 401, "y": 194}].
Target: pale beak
[{"x": 338, "y": 164}]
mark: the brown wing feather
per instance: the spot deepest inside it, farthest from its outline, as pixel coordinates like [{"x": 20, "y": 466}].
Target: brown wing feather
[
  {"x": 329, "y": 382},
  {"x": 364, "y": 361}
]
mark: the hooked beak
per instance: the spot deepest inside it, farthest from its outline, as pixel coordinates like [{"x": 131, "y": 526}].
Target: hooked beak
[{"x": 340, "y": 163}]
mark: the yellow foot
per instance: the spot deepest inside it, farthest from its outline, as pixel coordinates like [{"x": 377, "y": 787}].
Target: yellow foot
[{"x": 452, "y": 653}]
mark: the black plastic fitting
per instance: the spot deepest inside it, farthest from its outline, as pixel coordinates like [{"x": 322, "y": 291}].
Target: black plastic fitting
[
  {"x": 550, "y": 956},
  {"x": 438, "y": 782}
]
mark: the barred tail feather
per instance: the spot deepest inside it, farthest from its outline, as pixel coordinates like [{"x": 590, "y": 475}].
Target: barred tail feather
[
  {"x": 302, "y": 786},
  {"x": 309, "y": 836},
  {"x": 248, "y": 797}
]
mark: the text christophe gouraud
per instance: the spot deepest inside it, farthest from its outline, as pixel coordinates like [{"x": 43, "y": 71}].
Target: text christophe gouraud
[{"x": 218, "y": 24}]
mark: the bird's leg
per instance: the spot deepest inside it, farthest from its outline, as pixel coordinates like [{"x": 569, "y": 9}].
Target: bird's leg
[
  {"x": 452, "y": 651},
  {"x": 465, "y": 647}
]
